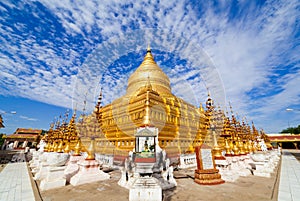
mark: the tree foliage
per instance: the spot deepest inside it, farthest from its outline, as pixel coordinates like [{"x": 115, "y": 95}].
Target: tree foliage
[
  {"x": 1, "y": 139},
  {"x": 293, "y": 130},
  {"x": 1, "y": 122}
]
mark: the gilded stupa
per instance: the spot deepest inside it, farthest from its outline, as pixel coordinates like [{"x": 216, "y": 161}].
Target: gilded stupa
[{"x": 149, "y": 102}]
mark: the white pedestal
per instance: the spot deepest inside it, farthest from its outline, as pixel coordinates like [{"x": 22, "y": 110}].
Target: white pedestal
[
  {"x": 88, "y": 172},
  {"x": 224, "y": 167},
  {"x": 145, "y": 189},
  {"x": 125, "y": 179},
  {"x": 72, "y": 167},
  {"x": 55, "y": 178},
  {"x": 236, "y": 168},
  {"x": 42, "y": 172},
  {"x": 169, "y": 176}
]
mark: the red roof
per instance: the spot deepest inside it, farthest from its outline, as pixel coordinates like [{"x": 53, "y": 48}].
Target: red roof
[
  {"x": 26, "y": 133},
  {"x": 284, "y": 137}
]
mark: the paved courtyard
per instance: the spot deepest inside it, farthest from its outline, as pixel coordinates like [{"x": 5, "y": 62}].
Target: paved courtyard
[{"x": 16, "y": 184}]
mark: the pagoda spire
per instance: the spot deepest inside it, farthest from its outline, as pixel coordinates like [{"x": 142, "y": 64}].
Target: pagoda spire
[
  {"x": 146, "y": 120},
  {"x": 209, "y": 103},
  {"x": 148, "y": 48},
  {"x": 99, "y": 98},
  {"x": 98, "y": 106},
  {"x": 66, "y": 116},
  {"x": 99, "y": 101},
  {"x": 148, "y": 59},
  {"x": 201, "y": 107}
]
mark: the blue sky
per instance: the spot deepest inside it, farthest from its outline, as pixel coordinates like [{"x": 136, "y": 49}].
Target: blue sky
[{"x": 55, "y": 54}]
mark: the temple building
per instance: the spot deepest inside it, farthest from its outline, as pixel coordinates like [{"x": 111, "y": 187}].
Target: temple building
[
  {"x": 23, "y": 137},
  {"x": 285, "y": 140},
  {"x": 148, "y": 102}
]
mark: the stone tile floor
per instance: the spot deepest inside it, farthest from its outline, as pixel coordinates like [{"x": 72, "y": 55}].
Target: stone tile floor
[
  {"x": 289, "y": 185},
  {"x": 16, "y": 185}
]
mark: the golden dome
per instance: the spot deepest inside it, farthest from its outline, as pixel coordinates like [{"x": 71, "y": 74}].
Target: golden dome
[{"x": 149, "y": 70}]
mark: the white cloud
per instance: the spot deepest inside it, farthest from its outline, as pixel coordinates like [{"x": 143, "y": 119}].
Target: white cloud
[
  {"x": 241, "y": 53},
  {"x": 27, "y": 118}
]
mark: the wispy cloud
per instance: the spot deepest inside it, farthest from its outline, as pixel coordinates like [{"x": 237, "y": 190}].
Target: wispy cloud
[
  {"x": 246, "y": 52},
  {"x": 27, "y": 118}
]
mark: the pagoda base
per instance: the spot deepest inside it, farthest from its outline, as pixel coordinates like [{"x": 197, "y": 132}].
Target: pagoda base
[
  {"x": 208, "y": 177},
  {"x": 55, "y": 178},
  {"x": 88, "y": 172},
  {"x": 72, "y": 167},
  {"x": 42, "y": 172}
]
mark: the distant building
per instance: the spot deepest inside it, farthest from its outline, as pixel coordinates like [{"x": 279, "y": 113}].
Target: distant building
[
  {"x": 23, "y": 137},
  {"x": 285, "y": 140}
]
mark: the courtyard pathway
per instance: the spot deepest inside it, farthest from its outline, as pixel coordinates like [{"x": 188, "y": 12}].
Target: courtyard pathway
[
  {"x": 289, "y": 186},
  {"x": 15, "y": 184}
]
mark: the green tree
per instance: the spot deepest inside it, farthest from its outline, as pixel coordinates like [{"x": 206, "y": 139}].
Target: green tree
[
  {"x": 293, "y": 130},
  {"x": 1, "y": 139},
  {"x": 1, "y": 122}
]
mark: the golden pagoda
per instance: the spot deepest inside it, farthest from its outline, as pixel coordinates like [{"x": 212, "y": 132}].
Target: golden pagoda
[
  {"x": 148, "y": 102},
  {"x": 70, "y": 135},
  {"x": 63, "y": 138}
]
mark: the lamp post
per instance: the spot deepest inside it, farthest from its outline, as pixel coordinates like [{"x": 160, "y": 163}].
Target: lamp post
[{"x": 291, "y": 110}]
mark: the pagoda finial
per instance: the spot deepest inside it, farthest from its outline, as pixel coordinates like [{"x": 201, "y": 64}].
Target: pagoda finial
[
  {"x": 99, "y": 98},
  {"x": 99, "y": 101},
  {"x": 74, "y": 113},
  {"x": 230, "y": 108},
  {"x": 209, "y": 102},
  {"x": 75, "y": 109},
  {"x": 226, "y": 111},
  {"x": 66, "y": 116},
  {"x": 84, "y": 104},
  {"x": 52, "y": 125},
  {"x": 148, "y": 59},
  {"x": 148, "y": 47},
  {"x": 201, "y": 107}
]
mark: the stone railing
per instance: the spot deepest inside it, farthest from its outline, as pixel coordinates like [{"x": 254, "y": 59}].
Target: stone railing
[
  {"x": 105, "y": 160},
  {"x": 187, "y": 161}
]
